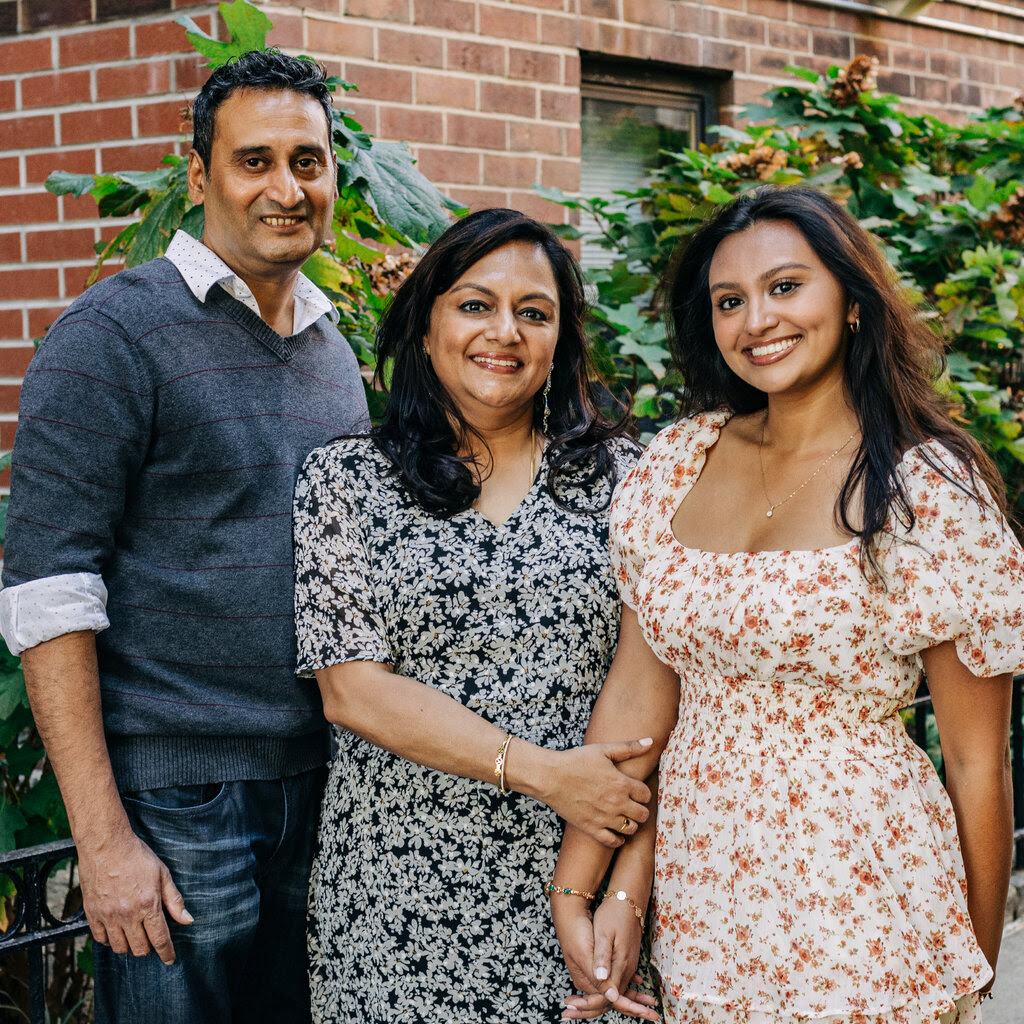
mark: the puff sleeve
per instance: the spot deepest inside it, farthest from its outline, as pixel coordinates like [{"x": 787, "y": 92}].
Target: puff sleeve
[
  {"x": 336, "y": 614},
  {"x": 957, "y": 574},
  {"x": 624, "y": 536}
]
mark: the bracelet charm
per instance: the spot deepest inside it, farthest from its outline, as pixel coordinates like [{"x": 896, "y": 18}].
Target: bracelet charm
[
  {"x": 623, "y": 896},
  {"x": 499, "y": 765}
]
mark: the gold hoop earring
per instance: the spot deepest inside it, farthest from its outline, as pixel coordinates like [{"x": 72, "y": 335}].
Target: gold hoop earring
[{"x": 855, "y": 326}]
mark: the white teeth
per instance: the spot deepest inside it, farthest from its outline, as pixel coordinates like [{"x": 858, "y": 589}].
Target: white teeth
[
  {"x": 278, "y": 222},
  {"x": 495, "y": 362},
  {"x": 775, "y": 346}
]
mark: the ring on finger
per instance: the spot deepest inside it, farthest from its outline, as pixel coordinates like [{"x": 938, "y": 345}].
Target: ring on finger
[{"x": 626, "y": 824}]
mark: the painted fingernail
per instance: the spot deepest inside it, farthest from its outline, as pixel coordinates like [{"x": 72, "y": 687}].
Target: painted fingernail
[
  {"x": 601, "y": 973},
  {"x": 646, "y": 741},
  {"x": 611, "y": 994}
]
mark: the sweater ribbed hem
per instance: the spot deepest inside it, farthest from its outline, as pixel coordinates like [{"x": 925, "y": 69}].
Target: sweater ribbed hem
[{"x": 150, "y": 762}]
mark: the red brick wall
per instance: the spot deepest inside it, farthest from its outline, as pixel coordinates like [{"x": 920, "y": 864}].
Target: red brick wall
[{"x": 487, "y": 92}]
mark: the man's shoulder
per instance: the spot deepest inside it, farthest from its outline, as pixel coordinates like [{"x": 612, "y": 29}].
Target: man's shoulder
[{"x": 135, "y": 293}]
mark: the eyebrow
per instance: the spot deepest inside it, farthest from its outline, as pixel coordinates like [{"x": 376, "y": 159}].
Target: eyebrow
[
  {"x": 487, "y": 291},
  {"x": 766, "y": 276},
  {"x": 305, "y": 147}
]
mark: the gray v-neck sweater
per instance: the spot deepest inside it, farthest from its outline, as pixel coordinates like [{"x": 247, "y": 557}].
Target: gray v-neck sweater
[{"x": 158, "y": 443}]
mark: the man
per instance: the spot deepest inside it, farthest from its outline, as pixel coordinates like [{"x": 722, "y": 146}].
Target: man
[{"x": 149, "y": 568}]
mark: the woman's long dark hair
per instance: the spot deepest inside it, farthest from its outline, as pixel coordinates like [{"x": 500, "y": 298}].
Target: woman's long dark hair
[
  {"x": 422, "y": 430},
  {"x": 889, "y": 370}
]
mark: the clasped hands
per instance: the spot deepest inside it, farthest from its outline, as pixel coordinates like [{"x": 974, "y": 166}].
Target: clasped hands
[
  {"x": 601, "y": 952},
  {"x": 588, "y": 790}
]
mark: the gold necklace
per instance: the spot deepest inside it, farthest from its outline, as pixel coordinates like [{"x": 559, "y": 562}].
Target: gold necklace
[{"x": 792, "y": 494}]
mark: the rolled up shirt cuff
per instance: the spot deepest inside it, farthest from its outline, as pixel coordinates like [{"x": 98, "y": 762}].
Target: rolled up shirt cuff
[{"x": 32, "y": 613}]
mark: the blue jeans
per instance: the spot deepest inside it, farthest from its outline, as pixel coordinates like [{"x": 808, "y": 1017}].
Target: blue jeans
[{"x": 240, "y": 852}]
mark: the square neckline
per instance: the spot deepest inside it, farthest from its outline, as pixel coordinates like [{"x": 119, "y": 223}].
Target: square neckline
[{"x": 715, "y": 421}]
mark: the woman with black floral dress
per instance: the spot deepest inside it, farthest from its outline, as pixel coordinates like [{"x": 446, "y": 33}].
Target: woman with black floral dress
[{"x": 455, "y": 600}]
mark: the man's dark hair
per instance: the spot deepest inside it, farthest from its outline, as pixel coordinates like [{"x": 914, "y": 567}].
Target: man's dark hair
[{"x": 268, "y": 70}]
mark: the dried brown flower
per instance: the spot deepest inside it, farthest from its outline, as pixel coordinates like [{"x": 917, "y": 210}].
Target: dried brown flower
[
  {"x": 1007, "y": 223},
  {"x": 387, "y": 271},
  {"x": 761, "y": 162},
  {"x": 848, "y": 161},
  {"x": 860, "y": 75}
]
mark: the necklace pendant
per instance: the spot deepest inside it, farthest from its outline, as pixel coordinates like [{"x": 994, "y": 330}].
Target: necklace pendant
[{"x": 770, "y": 511}]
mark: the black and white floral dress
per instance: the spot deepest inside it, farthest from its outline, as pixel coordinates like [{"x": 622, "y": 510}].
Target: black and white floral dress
[{"x": 426, "y": 901}]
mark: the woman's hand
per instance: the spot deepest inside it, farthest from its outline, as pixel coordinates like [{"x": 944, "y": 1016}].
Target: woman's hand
[
  {"x": 584, "y": 786},
  {"x": 601, "y": 954}
]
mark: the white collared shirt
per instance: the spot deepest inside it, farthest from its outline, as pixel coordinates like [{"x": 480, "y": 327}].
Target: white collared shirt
[
  {"x": 202, "y": 268},
  {"x": 40, "y": 610}
]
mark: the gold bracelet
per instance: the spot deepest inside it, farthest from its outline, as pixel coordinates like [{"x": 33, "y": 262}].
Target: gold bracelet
[
  {"x": 499, "y": 765},
  {"x": 623, "y": 896},
  {"x": 551, "y": 887}
]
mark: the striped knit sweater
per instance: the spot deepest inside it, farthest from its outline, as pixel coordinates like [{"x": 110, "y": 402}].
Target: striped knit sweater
[{"x": 158, "y": 443}]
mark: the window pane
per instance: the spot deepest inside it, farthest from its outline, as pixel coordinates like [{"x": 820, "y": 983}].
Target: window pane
[{"x": 620, "y": 144}]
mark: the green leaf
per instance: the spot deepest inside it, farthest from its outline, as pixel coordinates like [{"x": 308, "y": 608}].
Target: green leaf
[
  {"x": 717, "y": 194},
  {"x": 193, "y": 221},
  {"x": 920, "y": 181},
  {"x": 247, "y": 24},
  {"x": 399, "y": 194},
  {"x": 805, "y": 73},
  {"x": 63, "y": 183},
  {"x": 43, "y": 801},
  {"x": 328, "y": 273},
  {"x": 981, "y": 193},
  {"x": 12, "y": 693},
  {"x": 156, "y": 228},
  {"x": 11, "y": 822},
  {"x": 247, "y": 30}
]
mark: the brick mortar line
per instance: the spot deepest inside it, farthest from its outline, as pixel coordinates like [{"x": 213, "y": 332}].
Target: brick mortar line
[
  {"x": 443, "y": 34},
  {"x": 97, "y": 105},
  {"x": 66, "y": 264},
  {"x": 19, "y": 304}
]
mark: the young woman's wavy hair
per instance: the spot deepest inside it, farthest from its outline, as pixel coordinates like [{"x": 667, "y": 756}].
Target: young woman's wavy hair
[
  {"x": 422, "y": 430},
  {"x": 890, "y": 367}
]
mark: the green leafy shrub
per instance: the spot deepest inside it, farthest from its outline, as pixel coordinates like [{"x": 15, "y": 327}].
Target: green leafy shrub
[{"x": 945, "y": 201}]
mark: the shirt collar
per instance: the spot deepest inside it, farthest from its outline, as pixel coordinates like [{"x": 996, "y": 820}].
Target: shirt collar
[{"x": 202, "y": 268}]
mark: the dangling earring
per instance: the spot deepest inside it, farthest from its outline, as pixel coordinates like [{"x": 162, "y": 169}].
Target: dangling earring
[
  {"x": 547, "y": 408},
  {"x": 855, "y": 326}
]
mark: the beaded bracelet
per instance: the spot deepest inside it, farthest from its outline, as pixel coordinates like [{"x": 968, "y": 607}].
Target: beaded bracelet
[
  {"x": 551, "y": 887},
  {"x": 499, "y": 765}
]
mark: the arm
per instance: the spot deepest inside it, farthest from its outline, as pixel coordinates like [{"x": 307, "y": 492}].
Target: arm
[
  {"x": 614, "y": 936},
  {"x": 640, "y": 692},
  {"x": 83, "y": 431},
  {"x": 421, "y": 724},
  {"x": 124, "y": 886},
  {"x": 973, "y": 716}
]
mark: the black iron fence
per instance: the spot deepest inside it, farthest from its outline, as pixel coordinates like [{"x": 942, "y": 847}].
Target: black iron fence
[{"x": 35, "y": 926}]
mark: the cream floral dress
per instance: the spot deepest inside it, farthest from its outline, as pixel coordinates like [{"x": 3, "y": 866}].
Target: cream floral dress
[{"x": 808, "y": 867}]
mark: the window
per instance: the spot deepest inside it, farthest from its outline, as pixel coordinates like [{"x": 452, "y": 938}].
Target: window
[{"x": 630, "y": 114}]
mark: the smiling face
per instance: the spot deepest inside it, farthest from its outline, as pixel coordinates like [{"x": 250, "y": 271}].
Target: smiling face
[
  {"x": 779, "y": 315},
  {"x": 269, "y": 192},
  {"x": 492, "y": 335}
]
